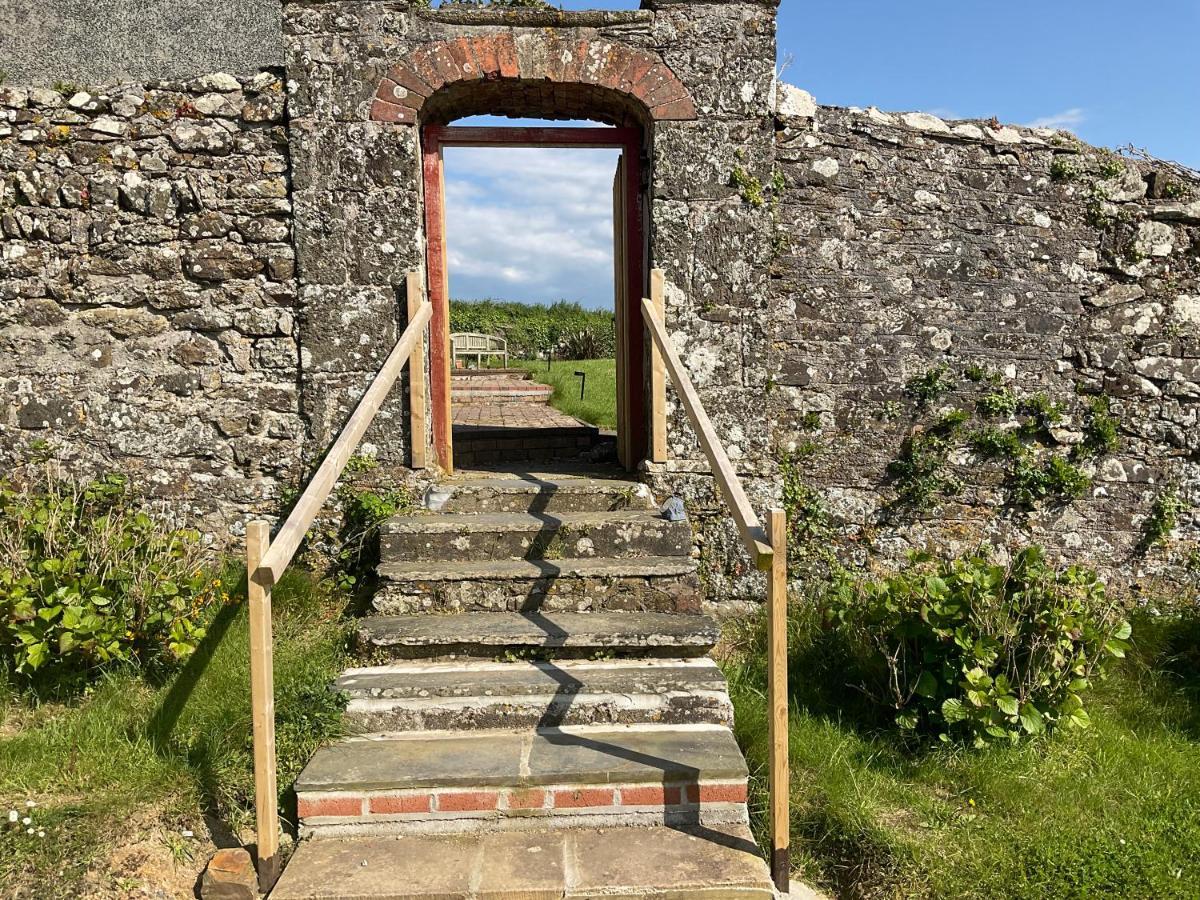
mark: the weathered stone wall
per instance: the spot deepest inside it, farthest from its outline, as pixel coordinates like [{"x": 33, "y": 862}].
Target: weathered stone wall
[
  {"x": 357, "y": 178},
  {"x": 97, "y": 42},
  {"x": 1018, "y": 258},
  {"x": 147, "y": 292},
  {"x": 820, "y": 264}
]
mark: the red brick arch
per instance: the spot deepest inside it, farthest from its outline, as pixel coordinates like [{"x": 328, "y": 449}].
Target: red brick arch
[{"x": 531, "y": 58}]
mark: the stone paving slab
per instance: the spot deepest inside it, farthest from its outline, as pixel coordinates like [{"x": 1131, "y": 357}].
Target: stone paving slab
[
  {"x": 530, "y": 413},
  {"x": 591, "y": 755},
  {"x": 710, "y": 864}
]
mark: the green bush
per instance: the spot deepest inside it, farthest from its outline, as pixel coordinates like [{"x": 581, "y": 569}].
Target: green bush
[
  {"x": 568, "y": 329},
  {"x": 90, "y": 578},
  {"x": 973, "y": 649}
]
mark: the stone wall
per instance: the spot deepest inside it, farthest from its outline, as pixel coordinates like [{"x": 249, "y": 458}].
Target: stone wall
[
  {"x": 44, "y": 42},
  {"x": 848, "y": 288},
  {"x": 147, "y": 292},
  {"x": 1015, "y": 263}
]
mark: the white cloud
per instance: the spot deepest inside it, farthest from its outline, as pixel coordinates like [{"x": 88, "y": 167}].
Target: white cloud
[
  {"x": 530, "y": 223},
  {"x": 1068, "y": 118}
]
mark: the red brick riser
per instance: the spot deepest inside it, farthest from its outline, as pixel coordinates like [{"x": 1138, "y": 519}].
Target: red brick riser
[
  {"x": 723, "y": 801},
  {"x": 494, "y": 57}
]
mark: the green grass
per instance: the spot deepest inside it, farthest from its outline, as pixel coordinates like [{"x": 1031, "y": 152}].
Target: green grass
[
  {"x": 1110, "y": 811},
  {"x": 181, "y": 748},
  {"x": 599, "y": 403}
]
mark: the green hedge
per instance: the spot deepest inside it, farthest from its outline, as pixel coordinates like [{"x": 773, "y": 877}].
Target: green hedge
[{"x": 571, "y": 331}]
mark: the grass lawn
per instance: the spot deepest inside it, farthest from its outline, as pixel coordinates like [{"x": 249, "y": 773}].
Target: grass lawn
[
  {"x": 599, "y": 403},
  {"x": 1111, "y": 811},
  {"x": 136, "y": 763}
]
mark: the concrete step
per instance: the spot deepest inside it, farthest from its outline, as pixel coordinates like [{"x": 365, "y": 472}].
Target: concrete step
[
  {"x": 560, "y": 777},
  {"x": 467, "y": 374},
  {"x": 713, "y": 864},
  {"x": 474, "y": 695},
  {"x": 463, "y": 536},
  {"x": 489, "y": 635},
  {"x": 544, "y": 495},
  {"x": 648, "y": 584}
]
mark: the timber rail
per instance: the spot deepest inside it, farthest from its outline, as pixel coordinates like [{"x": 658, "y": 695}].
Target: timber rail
[
  {"x": 767, "y": 550},
  {"x": 266, "y": 560}
]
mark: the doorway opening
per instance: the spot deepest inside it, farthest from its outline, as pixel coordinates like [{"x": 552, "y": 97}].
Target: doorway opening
[{"x": 519, "y": 214}]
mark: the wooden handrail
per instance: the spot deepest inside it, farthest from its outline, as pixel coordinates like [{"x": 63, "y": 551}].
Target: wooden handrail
[
  {"x": 267, "y": 560},
  {"x": 769, "y": 553},
  {"x": 288, "y": 539},
  {"x": 753, "y": 536}
]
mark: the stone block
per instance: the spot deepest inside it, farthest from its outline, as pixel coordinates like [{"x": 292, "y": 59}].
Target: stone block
[{"x": 230, "y": 875}]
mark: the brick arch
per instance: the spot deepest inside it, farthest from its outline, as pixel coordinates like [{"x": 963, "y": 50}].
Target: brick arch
[{"x": 485, "y": 63}]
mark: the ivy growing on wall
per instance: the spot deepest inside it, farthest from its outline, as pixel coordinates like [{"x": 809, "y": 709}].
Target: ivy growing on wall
[{"x": 1019, "y": 433}]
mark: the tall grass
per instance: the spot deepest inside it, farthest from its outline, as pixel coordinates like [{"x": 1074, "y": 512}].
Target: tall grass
[
  {"x": 1109, "y": 811},
  {"x": 182, "y": 746},
  {"x": 599, "y": 403}
]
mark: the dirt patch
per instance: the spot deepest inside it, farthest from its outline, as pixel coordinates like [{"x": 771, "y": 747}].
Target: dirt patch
[{"x": 157, "y": 857}]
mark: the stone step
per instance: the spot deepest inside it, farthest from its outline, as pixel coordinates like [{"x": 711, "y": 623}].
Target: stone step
[
  {"x": 544, "y": 495},
  {"x": 560, "y": 777},
  {"x": 713, "y": 864},
  {"x": 473, "y": 536},
  {"x": 467, "y": 374},
  {"x": 489, "y": 635},
  {"x": 500, "y": 390},
  {"x": 648, "y": 584},
  {"x": 477, "y": 695}
]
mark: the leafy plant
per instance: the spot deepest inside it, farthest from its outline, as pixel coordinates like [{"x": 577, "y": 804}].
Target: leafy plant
[
  {"x": 533, "y": 329},
  {"x": 582, "y": 343},
  {"x": 363, "y": 511},
  {"x": 995, "y": 443},
  {"x": 1002, "y": 402},
  {"x": 1099, "y": 430},
  {"x": 91, "y": 576},
  {"x": 1043, "y": 414},
  {"x": 1164, "y": 516},
  {"x": 929, "y": 385},
  {"x": 1053, "y": 478},
  {"x": 1062, "y": 169},
  {"x": 973, "y": 649},
  {"x": 918, "y": 470}
]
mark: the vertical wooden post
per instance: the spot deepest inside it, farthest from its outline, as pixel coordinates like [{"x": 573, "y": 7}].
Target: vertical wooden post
[
  {"x": 658, "y": 375},
  {"x": 777, "y": 698},
  {"x": 262, "y": 706},
  {"x": 416, "y": 378}
]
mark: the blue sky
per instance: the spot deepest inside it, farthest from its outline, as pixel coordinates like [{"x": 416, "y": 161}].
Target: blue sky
[{"x": 535, "y": 225}]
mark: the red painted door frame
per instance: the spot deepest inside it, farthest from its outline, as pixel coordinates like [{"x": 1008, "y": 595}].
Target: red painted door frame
[{"x": 629, "y": 141}]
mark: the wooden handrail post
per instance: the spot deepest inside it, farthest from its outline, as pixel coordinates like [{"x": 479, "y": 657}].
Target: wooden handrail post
[
  {"x": 658, "y": 375},
  {"x": 777, "y": 699},
  {"x": 416, "y": 376},
  {"x": 262, "y": 706}
]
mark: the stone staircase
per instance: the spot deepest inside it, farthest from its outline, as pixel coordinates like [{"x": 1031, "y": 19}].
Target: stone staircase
[{"x": 536, "y": 715}]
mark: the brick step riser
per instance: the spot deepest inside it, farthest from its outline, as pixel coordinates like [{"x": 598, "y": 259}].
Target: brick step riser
[
  {"x": 667, "y": 593},
  {"x": 382, "y": 715},
  {"x": 491, "y": 808},
  {"x": 611, "y": 540}
]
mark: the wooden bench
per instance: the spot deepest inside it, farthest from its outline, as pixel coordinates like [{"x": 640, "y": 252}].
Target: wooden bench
[{"x": 469, "y": 343}]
